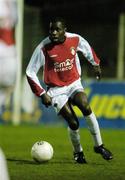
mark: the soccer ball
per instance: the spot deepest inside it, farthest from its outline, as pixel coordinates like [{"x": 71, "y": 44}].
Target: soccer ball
[{"x": 42, "y": 151}]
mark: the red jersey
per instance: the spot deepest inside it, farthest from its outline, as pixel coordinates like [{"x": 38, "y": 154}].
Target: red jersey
[{"x": 60, "y": 61}]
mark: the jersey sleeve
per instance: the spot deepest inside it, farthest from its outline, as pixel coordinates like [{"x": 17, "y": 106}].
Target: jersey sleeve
[
  {"x": 37, "y": 60},
  {"x": 88, "y": 51}
]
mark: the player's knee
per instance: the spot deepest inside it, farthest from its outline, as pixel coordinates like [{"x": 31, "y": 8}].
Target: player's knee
[
  {"x": 86, "y": 109},
  {"x": 74, "y": 125}
]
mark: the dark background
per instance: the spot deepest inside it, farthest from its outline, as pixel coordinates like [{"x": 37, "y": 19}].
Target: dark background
[{"x": 97, "y": 21}]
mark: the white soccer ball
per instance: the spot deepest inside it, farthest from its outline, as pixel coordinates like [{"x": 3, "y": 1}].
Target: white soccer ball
[{"x": 42, "y": 151}]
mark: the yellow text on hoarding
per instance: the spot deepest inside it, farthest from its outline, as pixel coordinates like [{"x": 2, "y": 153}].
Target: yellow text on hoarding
[{"x": 107, "y": 106}]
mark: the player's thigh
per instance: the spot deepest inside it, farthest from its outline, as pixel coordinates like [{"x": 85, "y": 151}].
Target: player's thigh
[
  {"x": 81, "y": 101},
  {"x": 65, "y": 111},
  {"x": 80, "y": 98},
  {"x": 68, "y": 113}
]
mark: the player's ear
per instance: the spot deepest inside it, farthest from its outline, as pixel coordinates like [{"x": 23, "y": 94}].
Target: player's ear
[{"x": 65, "y": 29}]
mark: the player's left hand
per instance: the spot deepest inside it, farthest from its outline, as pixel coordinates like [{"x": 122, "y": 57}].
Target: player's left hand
[
  {"x": 46, "y": 100},
  {"x": 97, "y": 70}
]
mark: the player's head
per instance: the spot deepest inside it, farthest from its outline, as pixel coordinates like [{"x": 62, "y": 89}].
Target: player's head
[{"x": 57, "y": 30}]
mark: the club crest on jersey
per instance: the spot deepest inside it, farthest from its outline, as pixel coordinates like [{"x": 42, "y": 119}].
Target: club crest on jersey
[{"x": 72, "y": 49}]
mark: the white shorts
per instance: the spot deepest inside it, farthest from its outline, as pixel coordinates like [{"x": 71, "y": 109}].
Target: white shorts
[
  {"x": 60, "y": 95},
  {"x": 8, "y": 65}
]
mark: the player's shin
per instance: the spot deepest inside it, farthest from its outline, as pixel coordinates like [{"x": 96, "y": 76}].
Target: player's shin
[
  {"x": 94, "y": 128},
  {"x": 75, "y": 139}
]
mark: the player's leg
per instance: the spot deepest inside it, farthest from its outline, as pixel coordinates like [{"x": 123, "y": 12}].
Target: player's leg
[
  {"x": 62, "y": 107},
  {"x": 80, "y": 100},
  {"x": 68, "y": 114}
]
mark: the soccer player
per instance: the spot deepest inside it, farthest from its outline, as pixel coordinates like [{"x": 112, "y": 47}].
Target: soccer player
[
  {"x": 8, "y": 60},
  {"x": 62, "y": 71}
]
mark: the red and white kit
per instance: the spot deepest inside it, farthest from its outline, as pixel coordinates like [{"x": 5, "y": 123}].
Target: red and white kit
[
  {"x": 62, "y": 68},
  {"x": 8, "y": 19}
]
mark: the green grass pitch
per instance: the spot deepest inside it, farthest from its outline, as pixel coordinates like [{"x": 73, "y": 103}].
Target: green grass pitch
[{"x": 17, "y": 142}]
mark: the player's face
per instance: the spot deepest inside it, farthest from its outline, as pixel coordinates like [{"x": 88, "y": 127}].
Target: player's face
[{"x": 57, "y": 32}]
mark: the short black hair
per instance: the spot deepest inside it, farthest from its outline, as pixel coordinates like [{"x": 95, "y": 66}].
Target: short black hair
[{"x": 58, "y": 19}]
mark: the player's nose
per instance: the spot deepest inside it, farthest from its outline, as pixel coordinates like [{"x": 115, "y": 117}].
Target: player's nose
[{"x": 54, "y": 32}]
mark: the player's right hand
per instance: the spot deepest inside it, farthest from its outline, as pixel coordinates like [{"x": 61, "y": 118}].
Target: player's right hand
[{"x": 46, "y": 100}]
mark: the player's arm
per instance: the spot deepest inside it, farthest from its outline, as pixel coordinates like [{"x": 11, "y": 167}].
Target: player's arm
[
  {"x": 37, "y": 60},
  {"x": 90, "y": 55}
]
